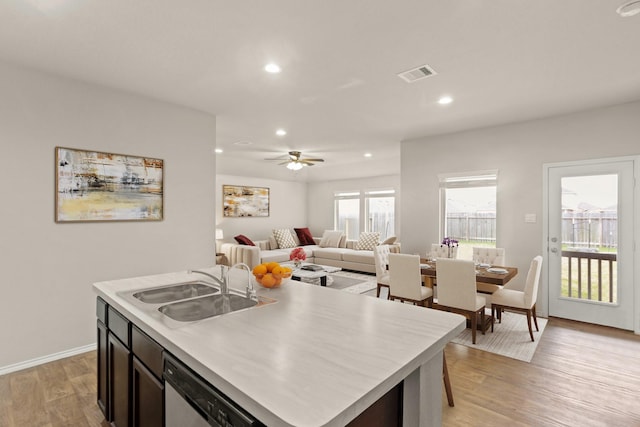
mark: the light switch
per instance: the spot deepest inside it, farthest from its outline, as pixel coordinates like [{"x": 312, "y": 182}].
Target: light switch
[{"x": 530, "y": 218}]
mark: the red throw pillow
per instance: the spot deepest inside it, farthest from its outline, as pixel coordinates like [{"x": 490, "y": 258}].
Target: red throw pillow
[
  {"x": 305, "y": 237},
  {"x": 244, "y": 240}
]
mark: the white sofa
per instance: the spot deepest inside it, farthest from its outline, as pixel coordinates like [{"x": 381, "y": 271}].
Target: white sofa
[{"x": 344, "y": 256}]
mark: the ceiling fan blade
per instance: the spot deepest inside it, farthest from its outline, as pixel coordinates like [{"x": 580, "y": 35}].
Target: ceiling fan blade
[{"x": 295, "y": 157}]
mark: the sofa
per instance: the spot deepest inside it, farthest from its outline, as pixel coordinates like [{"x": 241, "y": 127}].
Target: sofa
[{"x": 340, "y": 252}]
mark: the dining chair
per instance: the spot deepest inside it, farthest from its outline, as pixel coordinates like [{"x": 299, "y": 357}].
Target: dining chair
[
  {"x": 443, "y": 251},
  {"x": 493, "y": 256},
  {"x": 381, "y": 258},
  {"x": 405, "y": 280},
  {"x": 524, "y": 301},
  {"x": 457, "y": 292}
]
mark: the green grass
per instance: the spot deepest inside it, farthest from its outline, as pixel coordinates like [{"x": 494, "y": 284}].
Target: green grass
[{"x": 584, "y": 276}]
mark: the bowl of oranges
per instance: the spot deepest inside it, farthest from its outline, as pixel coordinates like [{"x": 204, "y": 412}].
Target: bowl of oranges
[{"x": 271, "y": 274}]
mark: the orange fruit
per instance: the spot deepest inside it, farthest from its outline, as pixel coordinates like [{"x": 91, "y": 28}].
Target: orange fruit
[
  {"x": 286, "y": 272},
  {"x": 268, "y": 281},
  {"x": 278, "y": 281},
  {"x": 259, "y": 269},
  {"x": 277, "y": 271},
  {"x": 271, "y": 266}
]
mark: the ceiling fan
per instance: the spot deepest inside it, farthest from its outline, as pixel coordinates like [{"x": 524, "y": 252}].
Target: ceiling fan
[{"x": 294, "y": 160}]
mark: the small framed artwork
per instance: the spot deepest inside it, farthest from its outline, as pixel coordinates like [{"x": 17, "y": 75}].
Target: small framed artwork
[
  {"x": 93, "y": 186},
  {"x": 239, "y": 201}
]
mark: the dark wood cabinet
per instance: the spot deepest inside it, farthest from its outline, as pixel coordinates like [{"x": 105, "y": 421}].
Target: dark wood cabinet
[
  {"x": 147, "y": 397},
  {"x": 103, "y": 358},
  {"x": 103, "y": 372},
  {"x": 130, "y": 363},
  {"x": 119, "y": 382},
  {"x": 119, "y": 368},
  {"x": 148, "y": 385}
]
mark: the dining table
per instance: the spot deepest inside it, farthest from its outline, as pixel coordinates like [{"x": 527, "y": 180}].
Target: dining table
[{"x": 487, "y": 282}]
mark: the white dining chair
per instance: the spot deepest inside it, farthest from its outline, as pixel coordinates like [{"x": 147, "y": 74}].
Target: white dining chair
[
  {"x": 457, "y": 292},
  {"x": 492, "y": 256},
  {"x": 381, "y": 259},
  {"x": 443, "y": 251},
  {"x": 405, "y": 280},
  {"x": 524, "y": 301}
]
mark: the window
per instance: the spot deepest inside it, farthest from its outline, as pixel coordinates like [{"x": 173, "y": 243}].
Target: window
[
  {"x": 380, "y": 211},
  {"x": 468, "y": 210},
  {"x": 377, "y": 207},
  {"x": 347, "y": 213}
]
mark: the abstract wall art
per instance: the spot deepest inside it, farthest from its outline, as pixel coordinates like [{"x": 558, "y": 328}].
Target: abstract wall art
[
  {"x": 93, "y": 186},
  {"x": 239, "y": 201}
]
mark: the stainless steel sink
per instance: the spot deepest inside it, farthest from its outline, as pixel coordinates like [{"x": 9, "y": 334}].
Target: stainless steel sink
[
  {"x": 175, "y": 292},
  {"x": 205, "y": 307}
]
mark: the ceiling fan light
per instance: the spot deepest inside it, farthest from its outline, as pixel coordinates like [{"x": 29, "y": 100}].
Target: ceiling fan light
[
  {"x": 272, "y": 68},
  {"x": 294, "y": 166},
  {"x": 630, "y": 8}
]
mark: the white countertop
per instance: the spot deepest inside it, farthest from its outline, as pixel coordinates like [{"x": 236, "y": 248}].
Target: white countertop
[{"x": 316, "y": 357}]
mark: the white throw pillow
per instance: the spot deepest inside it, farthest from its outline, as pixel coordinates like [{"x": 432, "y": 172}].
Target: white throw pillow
[
  {"x": 368, "y": 241},
  {"x": 284, "y": 238},
  {"x": 330, "y": 239},
  {"x": 273, "y": 244}
]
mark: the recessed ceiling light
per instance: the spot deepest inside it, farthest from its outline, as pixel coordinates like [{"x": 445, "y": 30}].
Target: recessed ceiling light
[
  {"x": 281, "y": 132},
  {"x": 242, "y": 143},
  {"x": 629, "y": 8},
  {"x": 47, "y": 5},
  {"x": 272, "y": 68},
  {"x": 219, "y": 150},
  {"x": 444, "y": 100},
  {"x": 368, "y": 155}
]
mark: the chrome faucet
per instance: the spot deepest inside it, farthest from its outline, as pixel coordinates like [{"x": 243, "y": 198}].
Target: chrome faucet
[
  {"x": 251, "y": 292},
  {"x": 223, "y": 282}
]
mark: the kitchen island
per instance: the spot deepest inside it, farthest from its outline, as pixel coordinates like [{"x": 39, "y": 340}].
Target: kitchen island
[{"x": 315, "y": 357}]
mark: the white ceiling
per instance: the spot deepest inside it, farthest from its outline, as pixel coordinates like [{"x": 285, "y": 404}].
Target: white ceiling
[{"x": 338, "y": 95}]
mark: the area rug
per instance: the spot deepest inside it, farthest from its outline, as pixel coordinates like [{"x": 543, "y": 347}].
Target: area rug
[
  {"x": 509, "y": 338},
  {"x": 355, "y": 283}
]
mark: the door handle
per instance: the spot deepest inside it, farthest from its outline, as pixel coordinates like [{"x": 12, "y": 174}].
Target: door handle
[{"x": 554, "y": 250}]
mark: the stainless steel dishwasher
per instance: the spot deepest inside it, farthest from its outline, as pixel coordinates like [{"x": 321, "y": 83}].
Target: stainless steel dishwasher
[{"x": 190, "y": 401}]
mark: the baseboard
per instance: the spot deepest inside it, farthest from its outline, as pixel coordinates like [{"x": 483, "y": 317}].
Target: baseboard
[{"x": 46, "y": 359}]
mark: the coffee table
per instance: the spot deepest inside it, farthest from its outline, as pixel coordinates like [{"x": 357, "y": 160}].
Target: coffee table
[{"x": 299, "y": 274}]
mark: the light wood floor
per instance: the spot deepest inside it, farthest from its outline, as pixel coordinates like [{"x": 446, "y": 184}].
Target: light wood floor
[
  {"x": 581, "y": 375},
  {"x": 56, "y": 394}
]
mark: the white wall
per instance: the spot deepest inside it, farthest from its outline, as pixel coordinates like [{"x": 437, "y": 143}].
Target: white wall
[
  {"x": 518, "y": 152},
  {"x": 46, "y": 302},
  {"x": 321, "y": 199},
  {"x": 287, "y": 207}
]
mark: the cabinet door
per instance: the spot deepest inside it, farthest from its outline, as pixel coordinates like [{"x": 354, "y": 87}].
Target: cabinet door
[
  {"x": 147, "y": 399},
  {"x": 119, "y": 380},
  {"x": 103, "y": 370}
]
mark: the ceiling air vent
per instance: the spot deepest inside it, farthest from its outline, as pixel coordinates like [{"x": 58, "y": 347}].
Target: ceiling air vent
[{"x": 416, "y": 74}]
